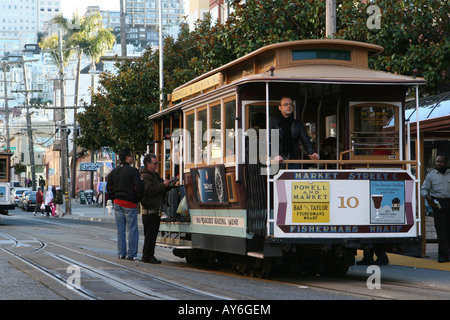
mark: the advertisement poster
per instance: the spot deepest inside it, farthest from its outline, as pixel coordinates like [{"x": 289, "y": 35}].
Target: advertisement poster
[
  {"x": 310, "y": 202},
  {"x": 387, "y": 203},
  {"x": 209, "y": 185},
  {"x": 3, "y": 194}
]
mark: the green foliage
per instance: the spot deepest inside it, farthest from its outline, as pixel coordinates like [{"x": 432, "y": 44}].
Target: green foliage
[
  {"x": 414, "y": 34},
  {"x": 118, "y": 115},
  {"x": 19, "y": 168}
]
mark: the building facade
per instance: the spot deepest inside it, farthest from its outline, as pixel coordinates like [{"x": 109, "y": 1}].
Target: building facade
[
  {"x": 143, "y": 20},
  {"x": 21, "y": 20}
]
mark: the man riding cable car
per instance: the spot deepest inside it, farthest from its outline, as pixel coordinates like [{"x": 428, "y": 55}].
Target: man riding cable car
[{"x": 291, "y": 131}]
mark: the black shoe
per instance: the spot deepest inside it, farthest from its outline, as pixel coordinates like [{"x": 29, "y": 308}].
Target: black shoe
[
  {"x": 443, "y": 259},
  {"x": 122, "y": 257},
  {"x": 152, "y": 261}
]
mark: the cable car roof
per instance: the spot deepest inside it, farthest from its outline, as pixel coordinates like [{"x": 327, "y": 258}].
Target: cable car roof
[
  {"x": 336, "y": 74},
  {"x": 304, "y": 61}
]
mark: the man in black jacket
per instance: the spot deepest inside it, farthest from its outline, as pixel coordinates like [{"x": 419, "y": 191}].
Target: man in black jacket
[
  {"x": 291, "y": 131},
  {"x": 153, "y": 205},
  {"x": 125, "y": 188}
]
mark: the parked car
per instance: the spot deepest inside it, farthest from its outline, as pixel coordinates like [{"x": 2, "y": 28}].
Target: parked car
[
  {"x": 16, "y": 193},
  {"x": 22, "y": 199},
  {"x": 30, "y": 201}
]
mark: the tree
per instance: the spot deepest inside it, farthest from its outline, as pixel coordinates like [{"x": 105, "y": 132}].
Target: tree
[
  {"x": 415, "y": 34},
  {"x": 19, "y": 168},
  {"x": 83, "y": 35},
  {"x": 118, "y": 114}
]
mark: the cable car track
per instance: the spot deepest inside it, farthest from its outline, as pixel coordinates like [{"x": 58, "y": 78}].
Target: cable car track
[
  {"x": 354, "y": 285},
  {"x": 98, "y": 270}
]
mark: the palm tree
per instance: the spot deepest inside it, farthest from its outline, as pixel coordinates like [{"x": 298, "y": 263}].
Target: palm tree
[{"x": 83, "y": 36}]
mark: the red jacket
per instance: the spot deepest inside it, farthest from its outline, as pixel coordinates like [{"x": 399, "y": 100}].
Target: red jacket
[{"x": 39, "y": 197}]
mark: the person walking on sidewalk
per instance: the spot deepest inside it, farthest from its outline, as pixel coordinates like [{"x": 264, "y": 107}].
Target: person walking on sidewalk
[
  {"x": 125, "y": 188},
  {"x": 152, "y": 203},
  {"x": 48, "y": 201},
  {"x": 436, "y": 190},
  {"x": 39, "y": 202},
  {"x": 59, "y": 200}
]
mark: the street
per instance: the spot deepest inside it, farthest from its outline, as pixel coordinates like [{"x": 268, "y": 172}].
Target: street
[{"x": 72, "y": 259}]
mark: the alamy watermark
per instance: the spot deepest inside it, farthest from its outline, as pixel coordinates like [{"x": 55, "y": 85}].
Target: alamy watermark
[
  {"x": 74, "y": 280},
  {"x": 374, "y": 20},
  {"x": 254, "y": 141},
  {"x": 74, "y": 24},
  {"x": 374, "y": 280}
]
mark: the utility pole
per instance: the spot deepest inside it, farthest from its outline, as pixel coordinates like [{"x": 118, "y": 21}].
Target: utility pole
[
  {"x": 330, "y": 13},
  {"x": 5, "y": 66},
  {"x": 161, "y": 60},
  {"x": 64, "y": 156},
  {"x": 29, "y": 130},
  {"x": 28, "y": 119},
  {"x": 75, "y": 129},
  {"x": 123, "y": 31}
]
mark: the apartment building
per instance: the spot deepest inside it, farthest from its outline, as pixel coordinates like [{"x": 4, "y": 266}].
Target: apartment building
[
  {"x": 21, "y": 20},
  {"x": 143, "y": 19}
]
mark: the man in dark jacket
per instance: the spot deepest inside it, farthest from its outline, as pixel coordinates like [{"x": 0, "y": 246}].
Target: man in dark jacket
[
  {"x": 153, "y": 204},
  {"x": 291, "y": 131},
  {"x": 126, "y": 188},
  {"x": 436, "y": 190}
]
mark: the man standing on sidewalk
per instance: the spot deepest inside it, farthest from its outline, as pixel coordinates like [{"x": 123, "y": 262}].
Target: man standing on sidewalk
[
  {"x": 125, "y": 187},
  {"x": 436, "y": 190}
]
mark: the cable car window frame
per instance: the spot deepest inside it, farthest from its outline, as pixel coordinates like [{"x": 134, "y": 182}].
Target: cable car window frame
[
  {"x": 189, "y": 143},
  {"x": 229, "y": 150},
  {"x": 216, "y": 133},
  {"x": 365, "y": 145}
]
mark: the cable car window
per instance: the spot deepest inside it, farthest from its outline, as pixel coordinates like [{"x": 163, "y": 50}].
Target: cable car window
[
  {"x": 309, "y": 54},
  {"x": 3, "y": 173},
  {"x": 203, "y": 143},
  {"x": 216, "y": 142},
  {"x": 375, "y": 130},
  {"x": 230, "y": 116},
  {"x": 190, "y": 124}
]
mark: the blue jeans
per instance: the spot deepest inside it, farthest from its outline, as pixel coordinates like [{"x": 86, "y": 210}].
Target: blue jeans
[{"x": 126, "y": 220}]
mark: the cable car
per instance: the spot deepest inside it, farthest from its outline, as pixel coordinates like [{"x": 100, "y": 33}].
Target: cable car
[
  {"x": 245, "y": 208},
  {"x": 5, "y": 183}
]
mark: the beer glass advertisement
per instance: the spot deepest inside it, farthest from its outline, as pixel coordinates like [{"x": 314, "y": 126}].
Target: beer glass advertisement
[
  {"x": 3, "y": 194},
  {"x": 209, "y": 185},
  {"x": 387, "y": 202}
]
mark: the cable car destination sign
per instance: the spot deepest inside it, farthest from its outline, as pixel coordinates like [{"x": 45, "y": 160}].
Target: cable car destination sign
[{"x": 329, "y": 203}]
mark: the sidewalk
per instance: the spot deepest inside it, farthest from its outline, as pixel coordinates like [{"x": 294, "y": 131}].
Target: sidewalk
[{"x": 93, "y": 212}]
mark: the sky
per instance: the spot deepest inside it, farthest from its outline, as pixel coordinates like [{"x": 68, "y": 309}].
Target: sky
[{"x": 68, "y": 7}]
